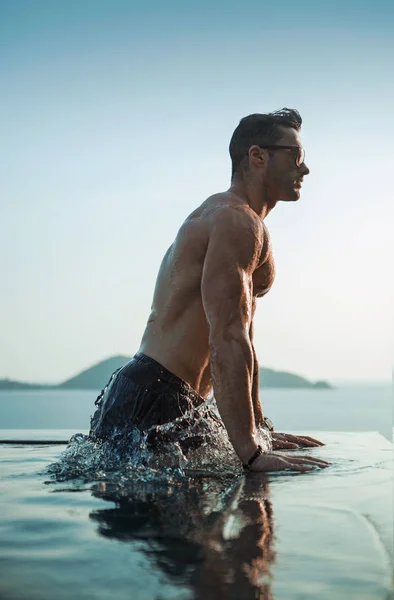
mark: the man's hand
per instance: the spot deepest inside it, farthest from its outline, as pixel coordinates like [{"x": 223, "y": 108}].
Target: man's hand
[
  {"x": 286, "y": 441},
  {"x": 281, "y": 462}
]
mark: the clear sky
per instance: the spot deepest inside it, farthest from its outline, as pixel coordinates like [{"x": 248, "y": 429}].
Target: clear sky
[{"x": 115, "y": 123}]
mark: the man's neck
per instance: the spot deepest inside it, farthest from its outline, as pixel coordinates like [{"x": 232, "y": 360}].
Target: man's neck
[{"x": 254, "y": 193}]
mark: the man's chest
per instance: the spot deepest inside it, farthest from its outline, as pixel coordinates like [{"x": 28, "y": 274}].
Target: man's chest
[
  {"x": 264, "y": 275},
  {"x": 263, "y": 278}
]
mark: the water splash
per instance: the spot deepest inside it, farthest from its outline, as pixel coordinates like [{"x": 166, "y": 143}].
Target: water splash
[{"x": 196, "y": 443}]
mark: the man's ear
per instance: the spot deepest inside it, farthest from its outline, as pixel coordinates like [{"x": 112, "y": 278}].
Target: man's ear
[{"x": 257, "y": 156}]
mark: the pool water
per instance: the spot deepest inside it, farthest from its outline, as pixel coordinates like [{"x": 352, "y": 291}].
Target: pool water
[{"x": 325, "y": 534}]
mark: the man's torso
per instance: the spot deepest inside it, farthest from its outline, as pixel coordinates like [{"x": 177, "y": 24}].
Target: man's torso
[{"x": 177, "y": 332}]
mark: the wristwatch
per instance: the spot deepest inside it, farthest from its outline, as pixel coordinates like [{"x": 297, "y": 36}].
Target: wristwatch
[{"x": 251, "y": 460}]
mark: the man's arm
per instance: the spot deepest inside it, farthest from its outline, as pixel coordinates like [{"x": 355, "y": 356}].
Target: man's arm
[
  {"x": 227, "y": 292},
  {"x": 257, "y": 408}
]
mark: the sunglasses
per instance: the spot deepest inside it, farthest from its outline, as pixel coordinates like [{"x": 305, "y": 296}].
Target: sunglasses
[{"x": 300, "y": 157}]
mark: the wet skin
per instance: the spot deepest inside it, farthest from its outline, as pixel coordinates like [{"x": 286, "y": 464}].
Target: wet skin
[{"x": 201, "y": 322}]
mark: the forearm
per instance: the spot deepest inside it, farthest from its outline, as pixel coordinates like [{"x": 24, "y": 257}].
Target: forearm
[
  {"x": 232, "y": 370},
  {"x": 257, "y": 408}
]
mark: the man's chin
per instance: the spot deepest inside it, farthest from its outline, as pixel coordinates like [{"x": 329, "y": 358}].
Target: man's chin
[{"x": 293, "y": 197}]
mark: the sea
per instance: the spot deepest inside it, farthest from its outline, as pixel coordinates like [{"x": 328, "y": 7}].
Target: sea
[
  {"x": 173, "y": 534},
  {"x": 347, "y": 407}
]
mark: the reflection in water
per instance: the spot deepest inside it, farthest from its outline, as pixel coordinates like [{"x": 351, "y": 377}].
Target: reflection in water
[
  {"x": 213, "y": 535},
  {"x": 191, "y": 512}
]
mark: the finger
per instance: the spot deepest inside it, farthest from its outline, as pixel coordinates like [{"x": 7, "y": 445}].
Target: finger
[
  {"x": 306, "y": 442},
  {"x": 311, "y": 439},
  {"x": 288, "y": 437},
  {"x": 294, "y": 467},
  {"x": 308, "y": 459},
  {"x": 280, "y": 464},
  {"x": 284, "y": 438},
  {"x": 284, "y": 445},
  {"x": 305, "y": 457}
]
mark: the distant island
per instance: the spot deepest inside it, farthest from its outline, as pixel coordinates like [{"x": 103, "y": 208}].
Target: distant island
[{"x": 95, "y": 378}]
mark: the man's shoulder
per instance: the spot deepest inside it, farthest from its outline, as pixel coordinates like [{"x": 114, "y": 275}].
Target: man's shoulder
[
  {"x": 228, "y": 209},
  {"x": 235, "y": 230},
  {"x": 225, "y": 219},
  {"x": 237, "y": 221}
]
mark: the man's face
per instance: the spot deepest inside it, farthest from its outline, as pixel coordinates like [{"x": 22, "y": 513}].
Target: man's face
[{"x": 283, "y": 176}]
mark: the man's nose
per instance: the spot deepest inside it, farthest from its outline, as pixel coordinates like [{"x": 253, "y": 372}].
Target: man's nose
[{"x": 304, "y": 169}]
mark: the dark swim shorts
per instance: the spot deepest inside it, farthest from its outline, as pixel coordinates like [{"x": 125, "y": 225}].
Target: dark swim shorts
[{"x": 145, "y": 395}]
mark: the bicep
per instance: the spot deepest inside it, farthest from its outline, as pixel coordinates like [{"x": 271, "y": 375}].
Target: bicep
[
  {"x": 227, "y": 286},
  {"x": 226, "y": 295}
]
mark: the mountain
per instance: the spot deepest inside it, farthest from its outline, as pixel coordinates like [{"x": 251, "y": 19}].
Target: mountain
[
  {"x": 10, "y": 384},
  {"x": 281, "y": 379},
  {"x": 95, "y": 378}
]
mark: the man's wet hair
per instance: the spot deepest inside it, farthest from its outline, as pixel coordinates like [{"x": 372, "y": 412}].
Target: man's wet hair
[{"x": 259, "y": 129}]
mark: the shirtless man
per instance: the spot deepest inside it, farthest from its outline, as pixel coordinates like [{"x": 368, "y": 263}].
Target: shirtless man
[{"x": 199, "y": 334}]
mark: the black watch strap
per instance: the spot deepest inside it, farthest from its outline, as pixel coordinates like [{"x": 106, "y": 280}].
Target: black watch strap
[{"x": 251, "y": 460}]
